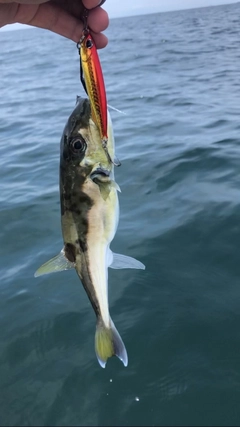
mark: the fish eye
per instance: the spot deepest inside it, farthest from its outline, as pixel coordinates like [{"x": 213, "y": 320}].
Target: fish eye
[
  {"x": 78, "y": 145},
  {"x": 89, "y": 44}
]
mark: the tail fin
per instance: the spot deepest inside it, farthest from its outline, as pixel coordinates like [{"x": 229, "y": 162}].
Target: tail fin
[{"x": 108, "y": 343}]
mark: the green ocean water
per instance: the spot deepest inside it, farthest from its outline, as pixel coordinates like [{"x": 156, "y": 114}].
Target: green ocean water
[{"x": 176, "y": 78}]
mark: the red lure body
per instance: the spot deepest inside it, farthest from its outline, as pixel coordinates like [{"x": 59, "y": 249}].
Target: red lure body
[{"x": 94, "y": 84}]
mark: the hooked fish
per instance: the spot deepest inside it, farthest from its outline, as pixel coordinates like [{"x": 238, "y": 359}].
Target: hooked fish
[
  {"x": 89, "y": 217},
  {"x": 93, "y": 82}
]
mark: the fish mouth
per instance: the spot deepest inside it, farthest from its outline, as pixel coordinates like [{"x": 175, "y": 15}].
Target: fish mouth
[{"x": 100, "y": 175}]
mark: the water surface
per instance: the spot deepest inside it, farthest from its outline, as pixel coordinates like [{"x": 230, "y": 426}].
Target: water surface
[{"x": 176, "y": 76}]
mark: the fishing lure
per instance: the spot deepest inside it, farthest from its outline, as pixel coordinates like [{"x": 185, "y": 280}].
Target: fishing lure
[{"x": 92, "y": 80}]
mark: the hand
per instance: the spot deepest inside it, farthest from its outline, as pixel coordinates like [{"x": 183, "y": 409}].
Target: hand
[{"x": 60, "y": 16}]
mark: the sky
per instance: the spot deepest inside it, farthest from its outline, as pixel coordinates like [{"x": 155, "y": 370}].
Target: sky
[{"x": 137, "y": 7}]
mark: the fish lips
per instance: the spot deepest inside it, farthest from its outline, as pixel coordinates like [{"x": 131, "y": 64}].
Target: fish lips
[{"x": 100, "y": 175}]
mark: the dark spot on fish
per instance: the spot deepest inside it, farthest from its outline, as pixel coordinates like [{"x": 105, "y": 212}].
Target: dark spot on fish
[
  {"x": 77, "y": 202},
  {"x": 84, "y": 222},
  {"x": 74, "y": 212},
  {"x": 70, "y": 252},
  {"x": 82, "y": 244},
  {"x": 73, "y": 207},
  {"x": 84, "y": 199}
]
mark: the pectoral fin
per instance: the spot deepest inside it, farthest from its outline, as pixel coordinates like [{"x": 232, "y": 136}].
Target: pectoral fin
[
  {"x": 104, "y": 190},
  {"x": 115, "y": 185},
  {"x": 118, "y": 261},
  {"x": 58, "y": 263},
  {"x": 106, "y": 187}
]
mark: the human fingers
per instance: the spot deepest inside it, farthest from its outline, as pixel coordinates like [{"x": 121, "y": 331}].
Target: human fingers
[
  {"x": 25, "y": 1},
  {"x": 98, "y": 20},
  {"x": 51, "y": 17},
  {"x": 90, "y": 4},
  {"x": 100, "y": 40}
]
